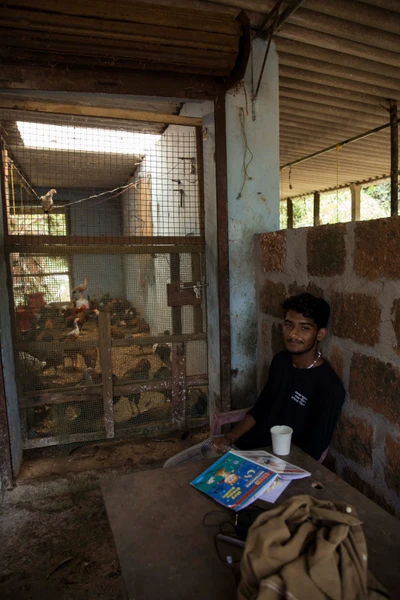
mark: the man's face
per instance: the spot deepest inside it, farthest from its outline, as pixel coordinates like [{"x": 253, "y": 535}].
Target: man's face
[{"x": 300, "y": 333}]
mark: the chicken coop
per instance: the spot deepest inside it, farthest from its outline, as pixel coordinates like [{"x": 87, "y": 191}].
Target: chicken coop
[{"x": 105, "y": 249}]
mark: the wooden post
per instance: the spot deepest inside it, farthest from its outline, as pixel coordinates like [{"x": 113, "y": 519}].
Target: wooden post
[
  {"x": 179, "y": 387},
  {"x": 174, "y": 260},
  {"x": 317, "y": 198},
  {"x": 289, "y": 204},
  {"x": 394, "y": 159},
  {"x": 106, "y": 370},
  {"x": 6, "y": 471},
  {"x": 200, "y": 177},
  {"x": 6, "y": 188},
  {"x": 355, "y": 201},
  {"x": 198, "y": 309},
  {"x": 223, "y": 253}
]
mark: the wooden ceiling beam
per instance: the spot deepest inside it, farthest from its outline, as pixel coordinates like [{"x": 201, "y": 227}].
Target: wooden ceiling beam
[
  {"x": 135, "y": 13},
  {"x": 110, "y": 81},
  {"x": 94, "y": 111}
]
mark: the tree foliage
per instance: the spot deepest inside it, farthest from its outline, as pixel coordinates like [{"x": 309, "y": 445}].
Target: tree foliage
[{"x": 335, "y": 207}]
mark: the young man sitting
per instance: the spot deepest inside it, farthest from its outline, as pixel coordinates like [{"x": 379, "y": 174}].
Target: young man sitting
[{"x": 302, "y": 391}]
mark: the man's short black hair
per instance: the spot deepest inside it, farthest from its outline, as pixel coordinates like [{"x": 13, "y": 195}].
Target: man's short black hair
[{"x": 309, "y": 306}]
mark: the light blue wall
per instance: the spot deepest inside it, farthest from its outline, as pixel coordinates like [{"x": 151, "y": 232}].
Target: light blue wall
[
  {"x": 252, "y": 207},
  {"x": 105, "y": 272}
]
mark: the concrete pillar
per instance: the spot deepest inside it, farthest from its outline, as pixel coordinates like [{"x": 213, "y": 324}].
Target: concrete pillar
[{"x": 253, "y": 205}]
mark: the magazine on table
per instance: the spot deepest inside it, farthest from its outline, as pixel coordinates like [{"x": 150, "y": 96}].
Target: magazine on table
[
  {"x": 285, "y": 470},
  {"x": 235, "y": 481}
]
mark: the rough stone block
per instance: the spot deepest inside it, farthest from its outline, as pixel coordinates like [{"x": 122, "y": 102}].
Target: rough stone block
[
  {"x": 272, "y": 250},
  {"x": 264, "y": 330},
  {"x": 392, "y": 467},
  {"x": 365, "y": 488},
  {"x": 271, "y": 297},
  {"x": 336, "y": 360},
  {"x": 277, "y": 343},
  {"x": 376, "y": 385},
  {"x": 356, "y": 316},
  {"x": 353, "y": 438},
  {"x": 310, "y": 288},
  {"x": 396, "y": 322},
  {"x": 377, "y": 248},
  {"x": 326, "y": 250}
]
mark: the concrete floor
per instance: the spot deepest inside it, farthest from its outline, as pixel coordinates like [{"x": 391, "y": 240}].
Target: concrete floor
[{"x": 56, "y": 541}]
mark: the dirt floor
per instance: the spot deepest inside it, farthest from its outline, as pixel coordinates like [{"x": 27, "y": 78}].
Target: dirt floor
[{"x": 56, "y": 541}]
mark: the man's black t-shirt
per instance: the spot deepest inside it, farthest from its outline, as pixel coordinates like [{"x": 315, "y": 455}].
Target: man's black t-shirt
[{"x": 308, "y": 400}]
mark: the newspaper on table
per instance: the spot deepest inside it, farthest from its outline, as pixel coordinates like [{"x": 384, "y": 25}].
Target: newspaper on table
[{"x": 285, "y": 470}]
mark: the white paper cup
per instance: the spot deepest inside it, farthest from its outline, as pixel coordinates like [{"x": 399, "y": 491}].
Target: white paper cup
[{"x": 281, "y": 437}]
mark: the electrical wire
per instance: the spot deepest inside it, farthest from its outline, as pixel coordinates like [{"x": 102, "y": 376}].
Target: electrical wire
[{"x": 246, "y": 165}]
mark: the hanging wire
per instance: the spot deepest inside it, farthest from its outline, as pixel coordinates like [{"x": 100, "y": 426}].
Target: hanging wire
[{"x": 246, "y": 165}]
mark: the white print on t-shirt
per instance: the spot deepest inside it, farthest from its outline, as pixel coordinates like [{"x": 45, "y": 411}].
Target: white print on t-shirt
[{"x": 299, "y": 398}]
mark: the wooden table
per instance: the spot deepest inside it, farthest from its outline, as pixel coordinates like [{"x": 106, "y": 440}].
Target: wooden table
[{"x": 165, "y": 551}]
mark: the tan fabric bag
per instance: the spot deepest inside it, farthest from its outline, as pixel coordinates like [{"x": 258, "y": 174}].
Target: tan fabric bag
[{"x": 307, "y": 549}]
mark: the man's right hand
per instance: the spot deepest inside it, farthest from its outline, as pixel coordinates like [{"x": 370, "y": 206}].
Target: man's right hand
[{"x": 222, "y": 441}]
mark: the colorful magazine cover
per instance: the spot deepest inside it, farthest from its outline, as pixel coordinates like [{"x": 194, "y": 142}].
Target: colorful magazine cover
[
  {"x": 234, "y": 481},
  {"x": 284, "y": 469}
]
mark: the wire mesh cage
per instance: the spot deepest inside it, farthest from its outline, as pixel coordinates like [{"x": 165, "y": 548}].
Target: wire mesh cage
[{"x": 105, "y": 244}]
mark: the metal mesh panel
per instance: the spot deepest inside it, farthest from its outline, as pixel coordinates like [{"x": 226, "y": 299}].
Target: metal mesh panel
[{"x": 104, "y": 223}]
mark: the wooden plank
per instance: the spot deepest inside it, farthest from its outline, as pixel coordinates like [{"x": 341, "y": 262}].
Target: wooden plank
[
  {"x": 179, "y": 385},
  {"x": 71, "y": 438},
  {"x": 200, "y": 176},
  {"x": 109, "y": 81},
  {"x": 150, "y": 14},
  {"x": 106, "y": 61},
  {"x": 6, "y": 470},
  {"x": 182, "y": 296},
  {"x": 223, "y": 253},
  {"x": 176, "y": 315},
  {"x": 89, "y": 393},
  {"x": 197, "y": 310},
  {"x": 16, "y": 241},
  {"x": 94, "y": 111},
  {"x": 150, "y": 340},
  {"x": 99, "y": 249},
  {"x": 70, "y": 46},
  {"x": 106, "y": 370},
  {"x": 51, "y": 23}
]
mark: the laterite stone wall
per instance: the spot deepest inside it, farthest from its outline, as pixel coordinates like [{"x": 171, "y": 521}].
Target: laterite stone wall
[{"x": 356, "y": 268}]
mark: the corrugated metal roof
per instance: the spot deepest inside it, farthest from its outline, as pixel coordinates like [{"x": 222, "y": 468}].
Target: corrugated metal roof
[{"x": 339, "y": 65}]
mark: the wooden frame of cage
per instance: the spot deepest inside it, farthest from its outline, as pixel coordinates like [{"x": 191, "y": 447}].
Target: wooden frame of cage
[{"x": 173, "y": 245}]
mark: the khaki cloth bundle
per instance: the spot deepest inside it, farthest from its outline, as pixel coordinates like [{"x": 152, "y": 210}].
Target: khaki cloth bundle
[{"x": 307, "y": 549}]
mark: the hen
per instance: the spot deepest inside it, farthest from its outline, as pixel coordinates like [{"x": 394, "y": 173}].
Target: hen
[{"x": 137, "y": 373}]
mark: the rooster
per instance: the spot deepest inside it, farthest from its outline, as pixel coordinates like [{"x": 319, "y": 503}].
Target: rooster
[{"x": 47, "y": 201}]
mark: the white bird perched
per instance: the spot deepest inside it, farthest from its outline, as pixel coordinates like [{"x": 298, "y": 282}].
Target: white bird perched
[
  {"x": 78, "y": 289},
  {"x": 47, "y": 201}
]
